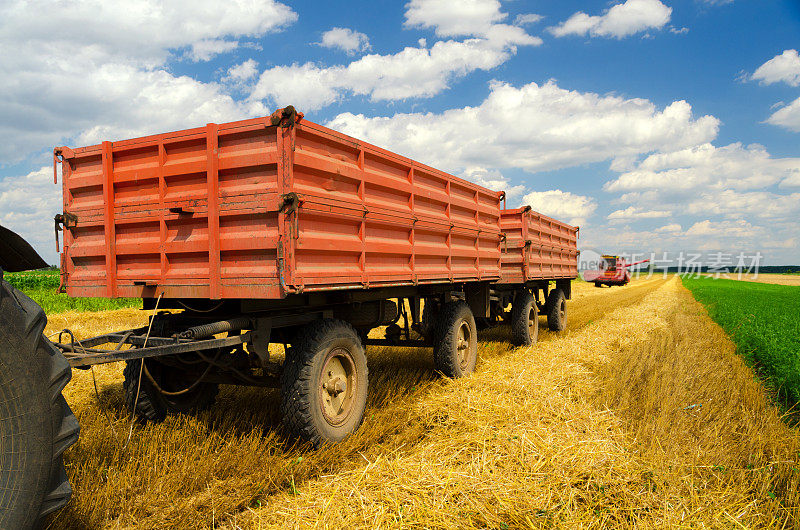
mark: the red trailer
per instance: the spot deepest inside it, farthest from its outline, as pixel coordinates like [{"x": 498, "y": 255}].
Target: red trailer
[
  {"x": 279, "y": 230},
  {"x": 537, "y": 251}
]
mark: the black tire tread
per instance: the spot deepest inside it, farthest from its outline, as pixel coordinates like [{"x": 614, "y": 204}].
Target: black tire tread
[
  {"x": 151, "y": 404},
  {"x": 296, "y": 378},
  {"x": 445, "y": 336},
  {"x": 65, "y": 431},
  {"x": 146, "y": 407},
  {"x": 554, "y": 300},
  {"x": 520, "y": 309}
]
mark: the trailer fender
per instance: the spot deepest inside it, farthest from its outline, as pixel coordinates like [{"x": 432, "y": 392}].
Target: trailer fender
[{"x": 16, "y": 254}]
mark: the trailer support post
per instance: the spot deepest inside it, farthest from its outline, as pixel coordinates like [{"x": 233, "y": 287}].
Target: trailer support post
[{"x": 477, "y": 295}]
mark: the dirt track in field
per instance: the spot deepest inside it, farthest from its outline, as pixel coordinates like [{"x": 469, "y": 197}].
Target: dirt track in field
[{"x": 640, "y": 414}]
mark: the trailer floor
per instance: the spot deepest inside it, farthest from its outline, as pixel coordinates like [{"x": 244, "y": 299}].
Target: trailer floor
[{"x": 639, "y": 414}]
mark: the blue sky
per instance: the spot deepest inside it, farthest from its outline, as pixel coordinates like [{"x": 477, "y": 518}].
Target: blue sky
[{"x": 657, "y": 125}]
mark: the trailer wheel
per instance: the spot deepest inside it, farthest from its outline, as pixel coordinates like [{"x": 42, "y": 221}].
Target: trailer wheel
[
  {"x": 524, "y": 319},
  {"x": 158, "y": 382},
  {"x": 324, "y": 383},
  {"x": 556, "y": 305},
  {"x": 455, "y": 349},
  {"x": 36, "y": 424}
]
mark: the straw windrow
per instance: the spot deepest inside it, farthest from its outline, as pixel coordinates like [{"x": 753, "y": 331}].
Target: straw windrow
[{"x": 640, "y": 415}]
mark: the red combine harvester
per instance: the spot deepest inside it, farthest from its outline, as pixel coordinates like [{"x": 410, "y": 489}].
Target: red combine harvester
[{"x": 613, "y": 270}]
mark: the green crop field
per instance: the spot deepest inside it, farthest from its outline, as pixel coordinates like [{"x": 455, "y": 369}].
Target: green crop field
[
  {"x": 764, "y": 322},
  {"x": 42, "y": 287}
]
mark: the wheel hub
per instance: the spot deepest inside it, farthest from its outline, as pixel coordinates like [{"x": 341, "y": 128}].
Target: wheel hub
[
  {"x": 337, "y": 385},
  {"x": 462, "y": 343},
  {"x": 532, "y": 323}
]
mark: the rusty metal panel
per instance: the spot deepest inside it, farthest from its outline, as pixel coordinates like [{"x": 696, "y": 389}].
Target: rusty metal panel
[
  {"x": 537, "y": 247},
  {"x": 253, "y": 210}
]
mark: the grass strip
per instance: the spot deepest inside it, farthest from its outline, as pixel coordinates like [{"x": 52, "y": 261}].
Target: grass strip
[
  {"x": 763, "y": 320},
  {"x": 42, "y": 287}
]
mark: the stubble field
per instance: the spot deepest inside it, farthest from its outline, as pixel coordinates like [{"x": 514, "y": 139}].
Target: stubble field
[{"x": 640, "y": 414}]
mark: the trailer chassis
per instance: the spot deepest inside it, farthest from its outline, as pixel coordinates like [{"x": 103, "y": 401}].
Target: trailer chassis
[
  {"x": 255, "y": 329},
  {"x": 188, "y": 348}
]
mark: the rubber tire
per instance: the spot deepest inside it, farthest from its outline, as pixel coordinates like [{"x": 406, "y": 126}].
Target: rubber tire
[
  {"x": 301, "y": 411},
  {"x": 598, "y": 284},
  {"x": 154, "y": 406},
  {"x": 445, "y": 353},
  {"x": 554, "y": 302},
  {"x": 520, "y": 311},
  {"x": 36, "y": 424}
]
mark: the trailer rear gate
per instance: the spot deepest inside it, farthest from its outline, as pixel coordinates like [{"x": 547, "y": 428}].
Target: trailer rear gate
[{"x": 251, "y": 210}]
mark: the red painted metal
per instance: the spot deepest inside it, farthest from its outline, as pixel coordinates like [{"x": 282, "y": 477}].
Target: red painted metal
[
  {"x": 537, "y": 247},
  {"x": 251, "y": 209}
]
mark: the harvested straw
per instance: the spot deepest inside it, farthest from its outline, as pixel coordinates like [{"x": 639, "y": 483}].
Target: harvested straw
[{"x": 587, "y": 428}]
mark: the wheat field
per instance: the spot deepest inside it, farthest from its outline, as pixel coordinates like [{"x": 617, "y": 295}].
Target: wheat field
[
  {"x": 779, "y": 279},
  {"x": 640, "y": 414}
]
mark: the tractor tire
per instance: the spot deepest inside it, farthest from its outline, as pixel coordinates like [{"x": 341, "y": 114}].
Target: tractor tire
[
  {"x": 36, "y": 424},
  {"x": 152, "y": 403},
  {"x": 556, "y": 306},
  {"x": 324, "y": 383},
  {"x": 455, "y": 344},
  {"x": 524, "y": 319}
]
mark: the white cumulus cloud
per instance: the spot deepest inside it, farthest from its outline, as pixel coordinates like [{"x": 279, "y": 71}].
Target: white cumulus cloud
[
  {"x": 621, "y": 20},
  {"x": 470, "y": 17},
  {"x": 346, "y": 40},
  {"x": 534, "y": 127},
  {"x": 740, "y": 229},
  {"x": 671, "y": 228},
  {"x": 207, "y": 49},
  {"x": 413, "y": 72},
  {"x": 735, "y": 191},
  {"x": 781, "y": 68},
  {"x": 754, "y": 204},
  {"x": 563, "y": 205},
  {"x": 110, "y": 75},
  {"x": 787, "y": 116},
  {"x": 527, "y": 18},
  {"x": 705, "y": 166},
  {"x": 494, "y": 180},
  {"x": 242, "y": 72},
  {"x": 409, "y": 73},
  {"x": 27, "y": 202},
  {"x": 633, "y": 212}
]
